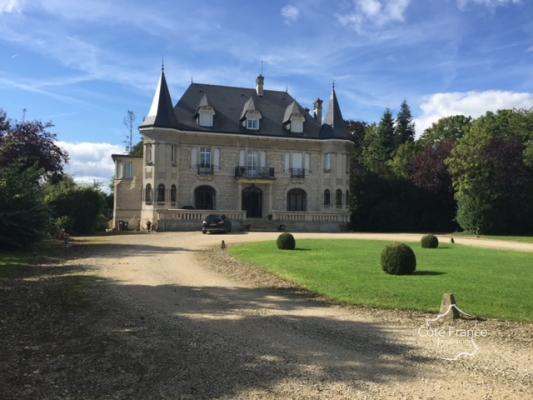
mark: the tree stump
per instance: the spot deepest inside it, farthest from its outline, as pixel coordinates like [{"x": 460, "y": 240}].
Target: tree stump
[{"x": 449, "y": 306}]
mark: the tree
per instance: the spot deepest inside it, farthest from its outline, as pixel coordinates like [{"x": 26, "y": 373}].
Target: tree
[
  {"x": 23, "y": 215},
  {"x": 138, "y": 149},
  {"x": 492, "y": 179},
  {"x": 31, "y": 144},
  {"x": 379, "y": 144},
  {"x": 453, "y": 128},
  {"x": 404, "y": 131},
  {"x": 83, "y": 206}
]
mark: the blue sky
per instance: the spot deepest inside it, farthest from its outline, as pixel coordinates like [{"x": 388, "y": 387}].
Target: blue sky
[{"x": 83, "y": 64}]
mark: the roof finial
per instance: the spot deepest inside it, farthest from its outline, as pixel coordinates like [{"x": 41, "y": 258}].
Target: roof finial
[
  {"x": 162, "y": 63},
  {"x": 333, "y": 84},
  {"x": 192, "y": 80}
]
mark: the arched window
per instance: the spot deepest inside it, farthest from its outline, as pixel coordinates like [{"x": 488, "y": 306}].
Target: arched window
[
  {"x": 204, "y": 198},
  {"x": 347, "y": 198},
  {"x": 296, "y": 200},
  {"x": 173, "y": 194},
  {"x": 327, "y": 198},
  {"x": 148, "y": 194},
  {"x": 338, "y": 198},
  {"x": 161, "y": 193}
]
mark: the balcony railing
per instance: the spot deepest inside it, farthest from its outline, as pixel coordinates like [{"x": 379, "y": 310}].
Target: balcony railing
[
  {"x": 205, "y": 169},
  {"x": 297, "y": 173},
  {"x": 254, "y": 173}
]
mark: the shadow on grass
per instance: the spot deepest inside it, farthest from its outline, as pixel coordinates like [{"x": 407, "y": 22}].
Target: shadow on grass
[{"x": 429, "y": 273}]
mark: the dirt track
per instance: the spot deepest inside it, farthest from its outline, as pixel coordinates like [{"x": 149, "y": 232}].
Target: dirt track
[{"x": 184, "y": 331}]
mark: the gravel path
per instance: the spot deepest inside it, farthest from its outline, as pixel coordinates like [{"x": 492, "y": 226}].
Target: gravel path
[{"x": 181, "y": 329}]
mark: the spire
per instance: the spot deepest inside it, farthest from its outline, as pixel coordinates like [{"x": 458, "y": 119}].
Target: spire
[
  {"x": 161, "y": 112},
  {"x": 334, "y": 116}
]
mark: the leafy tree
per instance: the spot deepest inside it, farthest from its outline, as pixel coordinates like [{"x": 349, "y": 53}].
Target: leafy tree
[
  {"x": 446, "y": 128},
  {"x": 31, "y": 144},
  {"x": 492, "y": 178},
  {"x": 404, "y": 131},
  {"x": 379, "y": 144},
  {"x": 403, "y": 157},
  {"x": 84, "y": 207},
  {"x": 23, "y": 215},
  {"x": 137, "y": 149}
]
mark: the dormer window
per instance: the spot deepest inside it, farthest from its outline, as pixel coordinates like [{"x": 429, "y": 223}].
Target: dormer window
[
  {"x": 293, "y": 118},
  {"x": 205, "y": 113},
  {"x": 252, "y": 124},
  {"x": 205, "y": 118}
]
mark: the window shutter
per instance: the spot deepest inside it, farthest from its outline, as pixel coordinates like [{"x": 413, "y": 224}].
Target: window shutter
[
  {"x": 217, "y": 158},
  {"x": 306, "y": 162},
  {"x": 194, "y": 157},
  {"x": 241, "y": 158},
  {"x": 262, "y": 159},
  {"x": 287, "y": 162}
]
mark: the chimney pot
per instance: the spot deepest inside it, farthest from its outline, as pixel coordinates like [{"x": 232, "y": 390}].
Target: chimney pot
[
  {"x": 318, "y": 109},
  {"x": 259, "y": 83}
]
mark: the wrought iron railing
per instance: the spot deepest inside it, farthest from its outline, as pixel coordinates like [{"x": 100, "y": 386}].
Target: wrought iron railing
[
  {"x": 205, "y": 169},
  {"x": 255, "y": 173},
  {"x": 297, "y": 173}
]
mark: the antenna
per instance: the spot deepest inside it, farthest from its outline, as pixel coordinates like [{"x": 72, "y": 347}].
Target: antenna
[
  {"x": 129, "y": 122},
  {"x": 261, "y": 67},
  {"x": 24, "y": 115}
]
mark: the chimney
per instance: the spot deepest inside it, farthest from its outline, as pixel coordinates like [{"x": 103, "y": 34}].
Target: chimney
[
  {"x": 259, "y": 82},
  {"x": 318, "y": 109}
]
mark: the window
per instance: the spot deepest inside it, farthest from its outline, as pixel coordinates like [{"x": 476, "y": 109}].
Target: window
[
  {"x": 347, "y": 199},
  {"x": 296, "y": 200},
  {"x": 173, "y": 195},
  {"x": 128, "y": 169},
  {"x": 205, "y": 157},
  {"x": 338, "y": 198},
  {"x": 148, "y": 194},
  {"x": 327, "y": 162},
  {"x": 204, "y": 198},
  {"x": 161, "y": 193},
  {"x": 173, "y": 154},
  {"x": 327, "y": 198},
  {"x": 148, "y": 153},
  {"x": 252, "y": 163},
  {"x": 252, "y": 124},
  {"x": 205, "y": 118}
]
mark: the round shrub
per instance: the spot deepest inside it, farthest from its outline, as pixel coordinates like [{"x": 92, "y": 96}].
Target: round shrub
[
  {"x": 429, "y": 242},
  {"x": 286, "y": 241},
  {"x": 398, "y": 259}
]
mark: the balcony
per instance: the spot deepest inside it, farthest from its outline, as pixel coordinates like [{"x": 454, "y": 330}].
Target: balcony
[
  {"x": 205, "y": 169},
  {"x": 254, "y": 173},
  {"x": 297, "y": 172}
]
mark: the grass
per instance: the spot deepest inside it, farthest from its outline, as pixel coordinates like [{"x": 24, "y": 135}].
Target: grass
[
  {"x": 12, "y": 262},
  {"x": 488, "y": 283}
]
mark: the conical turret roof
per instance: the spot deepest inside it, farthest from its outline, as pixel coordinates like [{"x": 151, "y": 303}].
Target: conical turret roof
[{"x": 161, "y": 114}]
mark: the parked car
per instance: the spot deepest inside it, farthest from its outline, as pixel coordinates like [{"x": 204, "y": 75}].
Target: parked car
[{"x": 216, "y": 223}]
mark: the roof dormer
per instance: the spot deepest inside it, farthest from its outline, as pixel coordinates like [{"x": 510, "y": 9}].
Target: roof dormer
[
  {"x": 205, "y": 113},
  {"x": 250, "y": 116},
  {"x": 293, "y": 119}
]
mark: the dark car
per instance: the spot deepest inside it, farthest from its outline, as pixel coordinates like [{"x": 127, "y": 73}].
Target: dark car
[{"x": 216, "y": 223}]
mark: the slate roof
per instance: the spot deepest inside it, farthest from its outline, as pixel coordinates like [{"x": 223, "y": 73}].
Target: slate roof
[
  {"x": 230, "y": 105},
  {"x": 161, "y": 112}
]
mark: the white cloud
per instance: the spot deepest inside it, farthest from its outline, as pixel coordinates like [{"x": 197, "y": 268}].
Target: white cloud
[
  {"x": 10, "y": 6},
  {"x": 472, "y": 104},
  {"x": 489, "y": 3},
  {"x": 90, "y": 162},
  {"x": 376, "y": 13},
  {"x": 290, "y": 13}
]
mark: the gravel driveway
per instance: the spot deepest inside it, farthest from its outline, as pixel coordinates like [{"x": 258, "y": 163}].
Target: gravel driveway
[{"x": 172, "y": 327}]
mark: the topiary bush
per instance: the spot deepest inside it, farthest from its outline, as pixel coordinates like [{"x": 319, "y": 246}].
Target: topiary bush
[
  {"x": 286, "y": 242},
  {"x": 398, "y": 259},
  {"x": 429, "y": 242}
]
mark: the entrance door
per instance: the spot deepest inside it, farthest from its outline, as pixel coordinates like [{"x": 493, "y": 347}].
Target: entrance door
[{"x": 252, "y": 202}]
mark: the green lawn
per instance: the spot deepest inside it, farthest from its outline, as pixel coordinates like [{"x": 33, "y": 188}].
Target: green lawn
[{"x": 487, "y": 283}]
